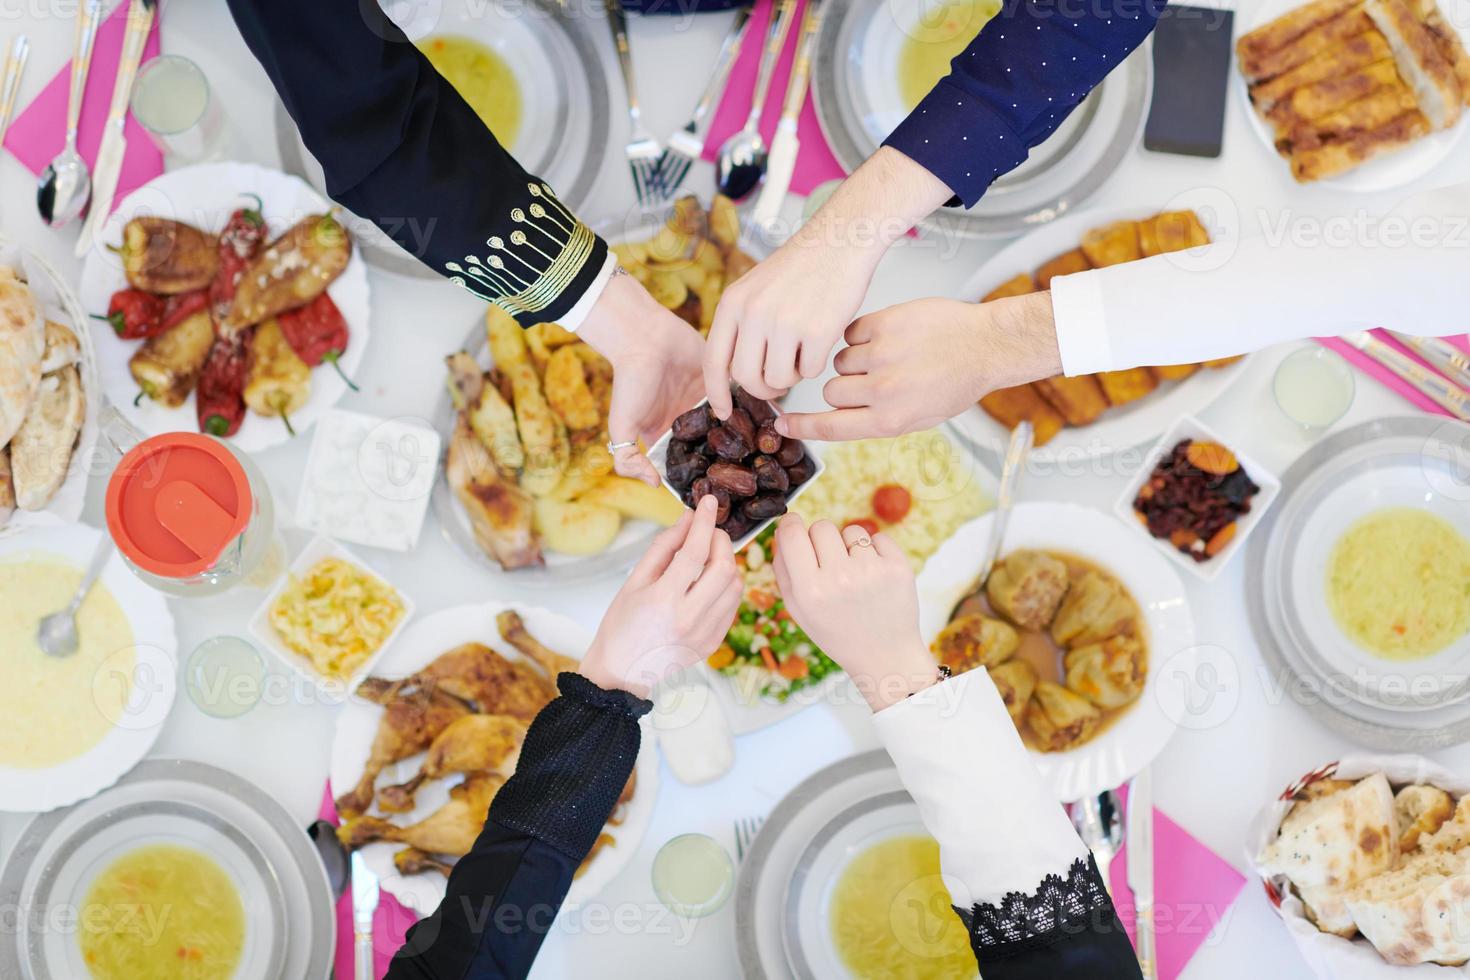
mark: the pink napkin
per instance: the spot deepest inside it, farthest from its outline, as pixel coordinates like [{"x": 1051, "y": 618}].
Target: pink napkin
[
  {"x": 390, "y": 924},
  {"x": 37, "y": 135},
  {"x": 815, "y": 164},
  {"x": 1382, "y": 374},
  {"x": 1193, "y": 889}
]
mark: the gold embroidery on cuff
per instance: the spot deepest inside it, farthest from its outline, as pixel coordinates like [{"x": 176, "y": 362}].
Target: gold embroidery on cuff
[{"x": 528, "y": 269}]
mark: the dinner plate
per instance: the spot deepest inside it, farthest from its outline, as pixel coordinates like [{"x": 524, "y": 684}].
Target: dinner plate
[
  {"x": 1128, "y": 425},
  {"x": 560, "y": 58},
  {"x": 204, "y": 196},
  {"x": 1130, "y": 741},
  {"x": 60, "y": 304},
  {"x": 1391, "y": 171},
  {"x": 858, "y": 103},
  {"x": 289, "y": 914},
  {"x": 424, "y": 640},
  {"x": 1419, "y": 461},
  {"x": 151, "y": 677}
]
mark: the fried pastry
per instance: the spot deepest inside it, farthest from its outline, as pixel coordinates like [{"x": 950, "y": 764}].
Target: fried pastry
[
  {"x": 1448, "y": 41},
  {"x": 1174, "y": 372},
  {"x": 1337, "y": 157},
  {"x": 1060, "y": 720},
  {"x": 1311, "y": 102},
  {"x": 1015, "y": 681},
  {"x": 1380, "y": 107},
  {"x": 1112, "y": 244},
  {"x": 1286, "y": 53},
  {"x": 1009, "y": 406},
  {"x": 1017, "y": 286},
  {"x": 1063, "y": 265},
  {"x": 1417, "y": 55},
  {"x": 1122, "y": 387},
  {"x": 974, "y": 641},
  {"x": 1095, "y": 608},
  {"x": 1026, "y": 587},
  {"x": 1172, "y": 231},
  {"x": 1110, "y": 674},
  {"x": 1079, "y": 400},
  {"x": 1349, "y": 55}
]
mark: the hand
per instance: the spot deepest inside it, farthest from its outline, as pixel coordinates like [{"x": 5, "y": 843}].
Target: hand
[
  {"x": 672, "y": 611},
  {"x": 656, "y": 368},
  {"x": 911, "y": 366},
  {"x": 855, "y": 597}
]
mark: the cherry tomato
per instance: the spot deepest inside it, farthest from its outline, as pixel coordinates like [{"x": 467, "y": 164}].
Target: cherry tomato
[
  {"x": 866, "y": 523},
  {"x": 891, "y": 503}
]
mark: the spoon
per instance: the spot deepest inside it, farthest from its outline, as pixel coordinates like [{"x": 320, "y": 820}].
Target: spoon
[
  {"x": 742, "y": 162},
  {"x": 58, "y": 633},
  {"x": 334, "y": 856},
  {"x": 65, "y": 185},
  {"x": 1099, "y": 822},
  {"x": 1005, "y": 497}
]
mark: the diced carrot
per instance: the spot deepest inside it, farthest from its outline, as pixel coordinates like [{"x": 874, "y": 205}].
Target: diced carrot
[
  {"x": 761, "y": 599},
  {"x": 722, "y": 657},
  {"x": 794, "y": 668},
  {"x": 769, "y": 659},
  {"x": 783, "y": 615}
]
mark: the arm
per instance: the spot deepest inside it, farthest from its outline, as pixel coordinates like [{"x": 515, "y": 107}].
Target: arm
[{"x": 504, "y": 894}]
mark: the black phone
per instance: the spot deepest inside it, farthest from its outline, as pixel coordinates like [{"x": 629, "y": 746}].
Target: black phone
[{"x": 1191, "y": 74}]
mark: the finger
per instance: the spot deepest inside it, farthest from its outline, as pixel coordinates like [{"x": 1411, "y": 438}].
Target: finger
[
  {"x": 629, "y": 462},
  {"x": 718, "y": 350},
  {"x": 888, "y": 549},
  {"x": 794, "y": 553},
  {"x": 849, "y": 392},
  {"x": 847, "y": 423},
  {"x": 854, "y": 359},
  {"x": 722, "y": 613},
  {"x": 661, "y": 551},
  {"x": 780, "y": 366},
  {"x": 813, "y": 359},
  {"x": 689, "y": 560},
  {"x": 718, "y": 573},
  {"x": 859, "y": 545},
  {"x": 861, "y": 330},
  {"x": 747, "y": 367},
  {"x": 827, "y": 543}
]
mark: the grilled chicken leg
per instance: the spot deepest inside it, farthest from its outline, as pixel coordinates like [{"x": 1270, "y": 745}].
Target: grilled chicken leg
[
  {"x": 474, "y": 743},
  {"x": 451, "y": 829},
  {"x": 408, "y": 725},
  {"x": 499, "y": 510}
]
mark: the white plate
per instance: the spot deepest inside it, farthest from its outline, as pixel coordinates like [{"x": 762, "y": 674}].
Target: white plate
[
  {"x": 1391, "y": 171},
  {"x": 153, "y": 680},
  {"x": 1145, "y": 419},
  {"x": 423, "y": 641},
  {"x": 1130, "y": 742},
  {"x": 204, "y": 196}
]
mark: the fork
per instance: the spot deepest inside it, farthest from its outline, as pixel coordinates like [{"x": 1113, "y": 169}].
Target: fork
[
  {"x": 746, "y": 830},
  {"x": 642, "y": 151},
  {"x": 687, "y": 144}
]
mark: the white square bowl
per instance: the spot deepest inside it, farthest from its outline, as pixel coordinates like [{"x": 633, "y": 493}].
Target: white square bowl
[
  {"x": 261, "y": 629},
  {"x": 1188, "y": 427},
  {"x": 658, "y": 455}
]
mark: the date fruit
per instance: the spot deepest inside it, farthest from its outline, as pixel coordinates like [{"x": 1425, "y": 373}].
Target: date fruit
[
  {"x": 728, "y": 444},
  {"x": 790, "y": 452},
  {"x": 764, "y": 506},
  {"x": 737, "y": 481},
  {"x": 769, "y": 475},
  {"x": 737, "y": 525},
  {"x": 683, "y": 466},
  {"x": 740, "y": 423},
  {"x": 768, "y": 440},
  {"x": 760, "y": 412},
  {"x": 801, "y": 471},
  {"x": 693, "y": 425}
]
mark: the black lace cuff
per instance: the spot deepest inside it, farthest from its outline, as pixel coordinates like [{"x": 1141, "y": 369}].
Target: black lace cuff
[{"x": 1058, "y": 910}]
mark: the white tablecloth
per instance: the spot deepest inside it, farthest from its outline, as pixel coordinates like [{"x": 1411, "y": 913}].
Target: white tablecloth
[{"x": 1211, "y": 781}]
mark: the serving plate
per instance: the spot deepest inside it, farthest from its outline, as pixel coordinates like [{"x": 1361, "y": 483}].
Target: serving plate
[
  {"x": 290, "y": 920},
  {"x": 424, "y": 640},
  {"x": 152, "y": 677},
  {"x": 1418, "y": 461},
  {"x": 1130, "y": 741},
  {"x": 204, "y": 196},
  {"x": 1129, "y": 425},
  {"x": 560, "y": 57},
  {"x": 855, "y": 88}
]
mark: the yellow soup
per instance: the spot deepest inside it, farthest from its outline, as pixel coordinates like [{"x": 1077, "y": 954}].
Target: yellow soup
[
  {"x": 941, "y": 34},
  {"x": 56, "y": 708},
  {"x": 1398, "y": 583},
  {"x": 892, "y": 919},
  {"x": 162, "y": 912},
  {"x": 483, "y": 78}
]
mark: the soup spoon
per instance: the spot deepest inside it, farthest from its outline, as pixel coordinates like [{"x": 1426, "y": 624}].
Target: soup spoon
[
  {"x": 742, "y": 162},
  {"x": 57, "y": 635},
  {"x": 65, "y": 185}
]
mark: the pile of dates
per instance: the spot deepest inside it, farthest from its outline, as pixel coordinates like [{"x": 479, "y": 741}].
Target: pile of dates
[{"x": 743, "y": 462}]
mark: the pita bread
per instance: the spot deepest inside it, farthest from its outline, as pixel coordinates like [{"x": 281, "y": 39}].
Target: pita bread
[
  {"x": 22, "y": 341},
  {"x": 61, "y": 349},
  {"x": 42, "y": 448},
  {"x": 1452, "y": 834},
  {"x": 1333, "y": 842},
  {"x": 1419, "y": 913},
  {"x": 1420, "y": 810}
]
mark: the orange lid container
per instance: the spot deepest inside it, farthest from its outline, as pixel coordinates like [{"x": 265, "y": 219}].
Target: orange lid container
[{"x": 175, "y": 502}]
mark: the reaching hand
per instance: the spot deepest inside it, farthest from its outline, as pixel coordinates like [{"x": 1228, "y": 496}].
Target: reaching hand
[
  {"x": 855, "y": 597},
  {"x": 672, "y": 611},
  {"x": 911, "y": 366}
]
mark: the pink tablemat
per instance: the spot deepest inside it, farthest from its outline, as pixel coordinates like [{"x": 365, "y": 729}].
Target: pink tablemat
[
  {"x": 1383, "y": 375},
  {"x": 1193, "y": 889},
  {"x": 390, "y": 924},
  {"x": 815, "y": 163},
  {"x": 37, "y": 134}
]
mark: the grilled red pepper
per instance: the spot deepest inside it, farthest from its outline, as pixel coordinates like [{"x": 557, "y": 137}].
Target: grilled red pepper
[
  {"x": 219, "y": 399},
  {"x": 138, "y": 315},
  {"x": 239, "y": 243},
  {"x": 317, "y": 332}
]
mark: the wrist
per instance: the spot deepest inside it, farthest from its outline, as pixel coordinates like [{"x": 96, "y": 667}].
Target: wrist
[
  {"x": 606, "y": 327},
  {"x": 909, "y": 670},
  {"x": 1021, "y": 339},
  {"x": 596, "y": 666}
]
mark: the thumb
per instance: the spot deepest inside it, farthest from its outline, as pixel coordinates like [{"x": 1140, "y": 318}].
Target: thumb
[{"x": 842, "y": 424}]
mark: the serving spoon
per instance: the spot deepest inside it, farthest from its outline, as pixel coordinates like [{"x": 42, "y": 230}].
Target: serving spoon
[
  {"x": 57, "y": 635},
  {"x": 65, "y": 185},
  {"x": 742, "y": 161}
]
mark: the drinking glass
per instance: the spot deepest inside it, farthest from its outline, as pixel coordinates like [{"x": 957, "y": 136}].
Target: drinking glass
[
  {"x": 173, "y": 103},
  {"x": 1314, "y": 387}
]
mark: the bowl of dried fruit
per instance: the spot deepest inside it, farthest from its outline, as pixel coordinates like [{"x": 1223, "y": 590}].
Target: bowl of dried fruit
[
  {"x": 751, "y": 469},
  {"x": 1197, "y": 498}
]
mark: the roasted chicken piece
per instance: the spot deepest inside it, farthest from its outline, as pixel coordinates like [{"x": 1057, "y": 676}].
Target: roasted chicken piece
[
  {"x": 513, "y": 631},
  {"x": 1096, "y": 607},
  {"x": 409, "y": 724},
  {"x": 484, "y": 680},
  {"x": 1122, "y": 387},
  {"x": 489, "y": 414},
  {"x": 974, "y": 640},
  {"x": 1063, "y": 265},
  {"x": 1060, "y": 720},
  {"x": 474, "y": 743},
  {"x": 412, "y": 861},
  {"x": 292, "y": 271},
  {"x": 1079, "y": 400},
  {"x": 451, "y": 829},
  {"x": 160, "y": 255},
  {"x": 1015, "y": 680},
  {"x": 500, "y": 512},
  {"x": 1026, "y": 587},
  {"x": 1112, "y": 244},
  {"x": 1110, "y": 674},
  {"x": 1015, "y": 286},
  {"x": 167, "y": 366},
  {"x": 1009, "y": 406}
]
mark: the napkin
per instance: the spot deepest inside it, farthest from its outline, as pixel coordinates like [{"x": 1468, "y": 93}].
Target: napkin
[
  {"x": 1386, "y": 377},
  {"x": 815, "y": 164},
  {"x": 1193, "y": 889},
  {"x": 390, "y": 923},
  {"x": 38, "y": 133}
]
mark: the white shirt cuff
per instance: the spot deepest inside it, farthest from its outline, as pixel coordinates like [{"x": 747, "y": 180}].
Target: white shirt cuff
[
  {"x": 1081, "y": 325},
  {"x": 578, "y": 313},
  {"x": 999, "y": 828}
]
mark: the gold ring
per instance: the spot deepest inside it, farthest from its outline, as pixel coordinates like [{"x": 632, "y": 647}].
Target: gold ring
[{"x": 613, "y": 447}]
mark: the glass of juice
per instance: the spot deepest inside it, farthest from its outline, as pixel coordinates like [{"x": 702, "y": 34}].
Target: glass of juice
[
  {"x": 224, "y": 676},
  {"x": 693, "y": 875},
  {"x": 1314, "y": 387},
  {"x": 173, "y": 103}
]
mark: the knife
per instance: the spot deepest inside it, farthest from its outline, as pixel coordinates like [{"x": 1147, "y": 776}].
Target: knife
[
  {"x": 1447, "y": 395},
  {"x": 1445, "y": 358},
  {"x": 1141, "y": 868},
  {"x": 15, "y": 65},
  {"x": 114, "y": 140},
  {"x": 785, "y": 146},
  {"x": 364, "y": 905}
]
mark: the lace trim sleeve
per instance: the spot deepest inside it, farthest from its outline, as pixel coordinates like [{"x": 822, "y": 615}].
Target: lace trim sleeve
[{"x": 1058, "y": 908}]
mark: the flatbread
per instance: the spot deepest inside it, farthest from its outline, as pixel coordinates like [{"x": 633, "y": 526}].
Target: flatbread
[
  {"x": 22, "y": 341},
  {"x": 1418, "y": 913},
  {"x": 41, "y": 450}
]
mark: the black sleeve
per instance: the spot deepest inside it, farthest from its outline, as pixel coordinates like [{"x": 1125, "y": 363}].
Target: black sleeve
[
  {"x": 504, "y": 894},
  {"x": 1067, "y": 928},
  {"x": 400, "y": 147}
]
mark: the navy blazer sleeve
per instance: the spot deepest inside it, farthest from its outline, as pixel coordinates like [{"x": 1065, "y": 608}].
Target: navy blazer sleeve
[{"x": 1026, "y": 70}]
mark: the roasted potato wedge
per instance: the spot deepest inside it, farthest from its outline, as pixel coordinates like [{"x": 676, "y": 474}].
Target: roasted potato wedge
[
  {"x": 567, "y": 390},
  {"x": 160, "y": 255},
  {"x": 634, "y": 498},
  {"x": 576, "y": 528}
]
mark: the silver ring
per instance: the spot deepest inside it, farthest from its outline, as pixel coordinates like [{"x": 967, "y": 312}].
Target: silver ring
[
  {"x": 862, "y": 543},
  {"x": 613, "y": 447}
]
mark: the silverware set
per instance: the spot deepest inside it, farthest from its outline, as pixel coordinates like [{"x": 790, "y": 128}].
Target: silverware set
[
  {"x": 1440, "y": 388},
  {"x": 1101, "y": 824},
  {"x": 746, "y": 831}
]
